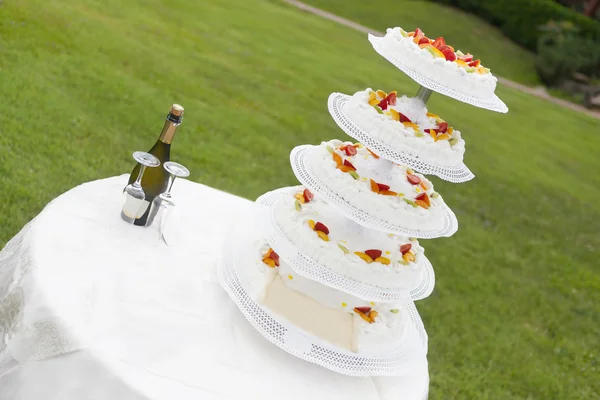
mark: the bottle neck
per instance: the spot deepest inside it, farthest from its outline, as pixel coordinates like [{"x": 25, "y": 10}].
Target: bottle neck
[{"x": 168, "y": 131}]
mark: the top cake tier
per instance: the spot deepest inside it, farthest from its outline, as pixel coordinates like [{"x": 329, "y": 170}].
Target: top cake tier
[{"x": 439, "y": 67}]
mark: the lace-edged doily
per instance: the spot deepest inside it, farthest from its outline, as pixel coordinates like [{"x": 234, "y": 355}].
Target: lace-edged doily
[
  {"x": 311, "y": 269},
  {"x": 302, "y": 170},
  {"x": 456, "y": 174},
  {"x": 307, "y": 347},
  {"x": 493, "y": 103}
]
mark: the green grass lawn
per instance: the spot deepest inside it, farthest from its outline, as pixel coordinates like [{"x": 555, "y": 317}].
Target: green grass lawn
[
  {"x": 461, "y": 30},
  {"x": 516, "y": 309}
]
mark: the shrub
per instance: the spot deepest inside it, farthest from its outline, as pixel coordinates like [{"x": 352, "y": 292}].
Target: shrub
[
  {"x": 562, "y": 51},
  {"x": 519, "y": 19}
]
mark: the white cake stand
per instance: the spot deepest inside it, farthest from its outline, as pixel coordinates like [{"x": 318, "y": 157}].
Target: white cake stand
[
  {"x": 306, "y": 266},
  {"x": 455, "y": 174},
  {"x": 293, "y": 340},
  {"x": 492, "y": 103},
  {"x": 303, "y": 171}
]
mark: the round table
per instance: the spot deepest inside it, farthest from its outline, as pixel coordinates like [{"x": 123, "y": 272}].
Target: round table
[{"x": 91, "y": 308}]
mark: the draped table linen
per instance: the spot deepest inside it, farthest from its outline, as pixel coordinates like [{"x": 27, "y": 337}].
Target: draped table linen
[{"x": 91, "y": 308}]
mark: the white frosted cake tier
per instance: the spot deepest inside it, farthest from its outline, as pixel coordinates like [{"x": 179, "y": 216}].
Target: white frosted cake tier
[
  {"x": 439, "y": 69},
  {"x": 407, "y": 127},
  {"x": 322, "y": 311},
  {"x": 394, "y": 261},
  {"x": 391, "y": 196}
]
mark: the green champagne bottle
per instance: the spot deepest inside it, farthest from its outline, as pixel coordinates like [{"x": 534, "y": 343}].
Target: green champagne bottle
[{"x": 156, "y": 180}]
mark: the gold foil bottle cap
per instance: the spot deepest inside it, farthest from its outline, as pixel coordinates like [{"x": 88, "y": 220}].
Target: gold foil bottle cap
[{"x": 176, "y": 110}]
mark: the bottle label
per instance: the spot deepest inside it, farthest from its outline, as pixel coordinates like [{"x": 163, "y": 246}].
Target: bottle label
[
  {"x": 134, "y": 208},
  {"x": 143, "y": 207}
]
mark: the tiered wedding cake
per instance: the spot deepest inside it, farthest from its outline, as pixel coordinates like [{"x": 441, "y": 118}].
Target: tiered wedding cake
[{"x": 330, "y": 269}]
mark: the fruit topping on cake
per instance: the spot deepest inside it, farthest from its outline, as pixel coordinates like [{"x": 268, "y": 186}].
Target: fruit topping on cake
[
  {"x": 439, "y": 49},
  {"x": 271, "y": 258},
  {"x": 418, "y": 195},
  {"x": 426, "y": 125},
  {"x": 320, "y": 228},
  {"x": 366, "y": 313}
]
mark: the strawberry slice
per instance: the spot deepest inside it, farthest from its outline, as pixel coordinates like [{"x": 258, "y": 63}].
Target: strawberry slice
[
  {"x": 419, "y": 33},
  {"x": 383, "y": 187},
  {"x": 350, "y": 150},
  {"x": 404, "y": 118},
  {"x": 321, "y": 228},
  {"x": 449, "y": 54},
  {"x": 373, "y": 253},
  {"x": 466, "y": 58},
  {"x": 423, "y": 40},
  {"x": 391, "y": 99},
  {"x": 308, "y": 196},
  {"x": 383, "y": 104},
  {"x": 475, "y": 63},
  {"x": 443, "y": 127},
  {"x": 349, "y": 164},
  {"x": 413, "y": 179},
  {"x": 364, "y": 310},
  {"x": 275, "y": 257},
  {"x": 439, "y": 42},
  {"x": 405, "y": 248}
]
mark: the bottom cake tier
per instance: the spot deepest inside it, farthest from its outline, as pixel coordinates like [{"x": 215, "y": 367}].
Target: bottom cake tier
[{"x": 317, "y": 323}]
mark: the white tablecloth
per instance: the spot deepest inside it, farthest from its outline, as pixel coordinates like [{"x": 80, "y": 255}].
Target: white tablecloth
[{"x": 93, "y": 309}]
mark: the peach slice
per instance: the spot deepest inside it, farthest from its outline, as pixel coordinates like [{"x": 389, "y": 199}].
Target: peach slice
[
  {"x": 362, "y": 314},
  {"x": 269, "y": 261},
  {"x": 435, "y": 52},
  {"x": 405, "y": 248},
  {"x": 432, "y": 115},
  {"x": 372, "y": 315},
  {"x": 344, "y": 168},
  {"x": 373, "y": 154},
  {"x": 423, "y": 185},
  {"x": 381, "y": 94},
  {"x": 424, "y": 198},
  {"x": 364, "y": 256},
  {"x": 337, "y": 158},
  {"x": 320, "y": 227},
  {"x": 421, "y": 203},
  {"x": 373, "y": 253},
  {"x": 450, "y": 131},
  {"x": 461, "y": 63},
  {"x": 432, "y": 133},
  {"x": 395, "y": 114},
  {"x": 408, "y": 257},
  {"x": 425, "y": 44},
  {"x": 373, "y": 99},
  {"x": 443, "y": 136},
  {"x": 374, "y": 186},
  {"x": 413, "y": 179},
  {"x": 411, "y": 125},
  {"x": 388, "y": 193},
  {"x": 323, "y": 236},
  {"x": 300, "y": 198},
  {"x": 311, "y": 224},
  {"x": 383, "y": 260},
  {"x": 308, "y": 196}
]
